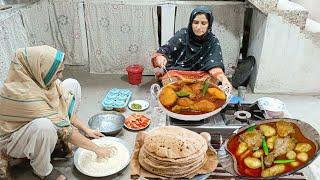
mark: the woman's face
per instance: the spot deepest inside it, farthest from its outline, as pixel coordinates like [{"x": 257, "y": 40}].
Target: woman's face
[
  {"x": 58, "y": 75},
  {"x": 200, "y": 24}
]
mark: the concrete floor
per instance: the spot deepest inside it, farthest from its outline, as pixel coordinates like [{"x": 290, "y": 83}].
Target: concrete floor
[{"x": 94, "y": 88}]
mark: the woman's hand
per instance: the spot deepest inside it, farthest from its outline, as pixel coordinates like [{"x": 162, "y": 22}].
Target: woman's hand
[
  {"x": 219, "y": 74},
  {"x": 93, "y": 133},
  {"x": 103, "y": 152},
  {"x": 226, "y": 85},
  {"x": 161, "y": 61}
]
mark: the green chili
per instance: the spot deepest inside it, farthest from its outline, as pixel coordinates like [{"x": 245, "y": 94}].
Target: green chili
[
  {"x": 265, "y": 147},
  {"x": 251, "y": 128},
  {"x": 183, "y": 94},
  {"x": 205, "y": 87},
  {"x": 283, "y": 161}
]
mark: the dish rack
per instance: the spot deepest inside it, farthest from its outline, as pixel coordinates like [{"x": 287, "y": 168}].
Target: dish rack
[{"x": 116, "y": 98}]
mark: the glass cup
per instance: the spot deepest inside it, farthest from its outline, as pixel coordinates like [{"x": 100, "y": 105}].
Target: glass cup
[{"x": 242, "y": 90}]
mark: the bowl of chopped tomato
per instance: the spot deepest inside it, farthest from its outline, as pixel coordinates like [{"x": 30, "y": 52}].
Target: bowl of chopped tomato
[{"x": 137, "y": 122}]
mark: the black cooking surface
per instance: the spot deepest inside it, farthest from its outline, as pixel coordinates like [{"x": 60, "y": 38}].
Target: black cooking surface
[{"x": 223, "y": 124}]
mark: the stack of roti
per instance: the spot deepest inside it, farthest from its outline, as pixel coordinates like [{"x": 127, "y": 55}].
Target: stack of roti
[{"x": 173, "y": 152}]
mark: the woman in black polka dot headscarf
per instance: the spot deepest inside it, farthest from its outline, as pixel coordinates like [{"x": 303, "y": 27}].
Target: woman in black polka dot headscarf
[{"x": 194, "y": 48}]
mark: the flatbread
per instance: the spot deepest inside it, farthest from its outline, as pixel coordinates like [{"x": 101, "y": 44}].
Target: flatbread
[
  {"x": 173, "y": 142},
  {"x": 173, "y": 152}
]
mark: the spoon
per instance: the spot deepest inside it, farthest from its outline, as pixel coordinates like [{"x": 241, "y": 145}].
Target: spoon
[{"x": 166, "y": 71}]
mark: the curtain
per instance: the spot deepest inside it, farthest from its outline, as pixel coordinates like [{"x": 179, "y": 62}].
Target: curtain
[
  {"x": 119, "y": 35},
  {"x": 58, "y": 23},
  {"x": 12, "y": 37}
]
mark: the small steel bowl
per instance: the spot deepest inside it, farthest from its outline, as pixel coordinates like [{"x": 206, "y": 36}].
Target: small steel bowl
[{"x": 108, "y": 123}]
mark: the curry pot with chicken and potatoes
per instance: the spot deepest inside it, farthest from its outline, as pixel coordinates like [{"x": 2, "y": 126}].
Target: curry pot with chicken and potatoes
[
  {"x": 270, "y": 149},
  {"x": 192, "y": 97}
]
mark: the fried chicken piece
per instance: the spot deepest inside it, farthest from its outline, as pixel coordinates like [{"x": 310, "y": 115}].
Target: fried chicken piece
[
  {"x": 168, "y": 97},
  {"x": 185, "y": 101},
  {"x": 196, "y": 88},
  {"x": 203, "y": 106},
  {"x": 178, "y": 109},
  {"x": 267, "y": 130},
  {"x": 175, "y": 86},
  {"x": 284, "y": 128},
  {"x": 186, "y": 88},
  {"x": 281, "y": 147},
  {"x": 216, "y": 93},
  {"x": 252, "y": 138}
]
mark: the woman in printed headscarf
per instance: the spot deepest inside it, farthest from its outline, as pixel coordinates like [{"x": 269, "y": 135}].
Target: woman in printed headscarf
[
  {"x": 193, "y": 49},
  {"x": 37, "y": 109}
]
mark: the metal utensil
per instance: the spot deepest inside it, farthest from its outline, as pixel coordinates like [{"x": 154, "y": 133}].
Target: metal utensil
[
  {"x": 108, "y": 123},
  {"x": 166, "y": 71}
]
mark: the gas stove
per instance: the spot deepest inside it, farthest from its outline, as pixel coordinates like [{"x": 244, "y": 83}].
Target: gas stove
[{"x": 223, "y": 124}]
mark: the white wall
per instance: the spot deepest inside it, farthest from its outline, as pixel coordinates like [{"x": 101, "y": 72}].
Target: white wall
[
  {"x": 256, "y": 40},
  {"x": 289, "y": 62},
  {"x": 313, "y": 7}
]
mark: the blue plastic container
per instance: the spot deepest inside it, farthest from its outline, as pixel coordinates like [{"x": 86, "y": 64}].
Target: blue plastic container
[{"x": 116, "y": 98}]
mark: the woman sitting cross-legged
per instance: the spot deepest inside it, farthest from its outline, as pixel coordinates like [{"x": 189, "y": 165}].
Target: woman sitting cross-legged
[{"x": 37, "y": 109}]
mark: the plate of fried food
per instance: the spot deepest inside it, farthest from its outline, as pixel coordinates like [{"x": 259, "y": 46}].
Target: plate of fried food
[
  {"x": 137, "y": 122},
  {"x": 272, "y": 148}
]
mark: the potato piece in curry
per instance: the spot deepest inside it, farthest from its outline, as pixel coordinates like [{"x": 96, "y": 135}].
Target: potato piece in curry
[
  {"x": 216, "y": 93},
  {"x": 253, "y": 163},
  {"x": 267, "y": 130},
  {"x": 274, "y": 170},
  {"x": 303, "y": 147},
  {"x": 168, "y": 97}
]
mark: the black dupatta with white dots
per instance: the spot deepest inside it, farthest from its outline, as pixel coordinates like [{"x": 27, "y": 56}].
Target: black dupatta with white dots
[{"x": 186, "y": 51}]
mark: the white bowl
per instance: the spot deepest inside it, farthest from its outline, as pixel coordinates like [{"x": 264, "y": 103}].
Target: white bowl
[{"x": 273, "y": 107}]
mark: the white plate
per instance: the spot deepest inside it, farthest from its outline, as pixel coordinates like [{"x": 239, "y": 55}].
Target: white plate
[
  {"x": 144, "y": 105},
  {"x": 271, "y": 104},
  {"x": 137, "y": 129},
  {"x": 79, "y": 152}
]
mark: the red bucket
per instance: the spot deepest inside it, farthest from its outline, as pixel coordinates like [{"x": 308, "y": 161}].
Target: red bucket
[{"x": 135, "y": 74}]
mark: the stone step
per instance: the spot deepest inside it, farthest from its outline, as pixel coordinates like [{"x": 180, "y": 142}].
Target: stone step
[
  {"x": 293, "y": 13},
  {"x": 312, "y": 30},
  {"x": 290, "y": 11}
]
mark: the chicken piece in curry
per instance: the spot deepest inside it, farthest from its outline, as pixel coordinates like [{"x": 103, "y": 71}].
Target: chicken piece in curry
[
  {"x": 270, "y": 149},
  {"x": 192, "y": 97}
]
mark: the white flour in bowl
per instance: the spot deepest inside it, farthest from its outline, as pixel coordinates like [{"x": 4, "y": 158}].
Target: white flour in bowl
[{"x": 91, "y": 165}]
